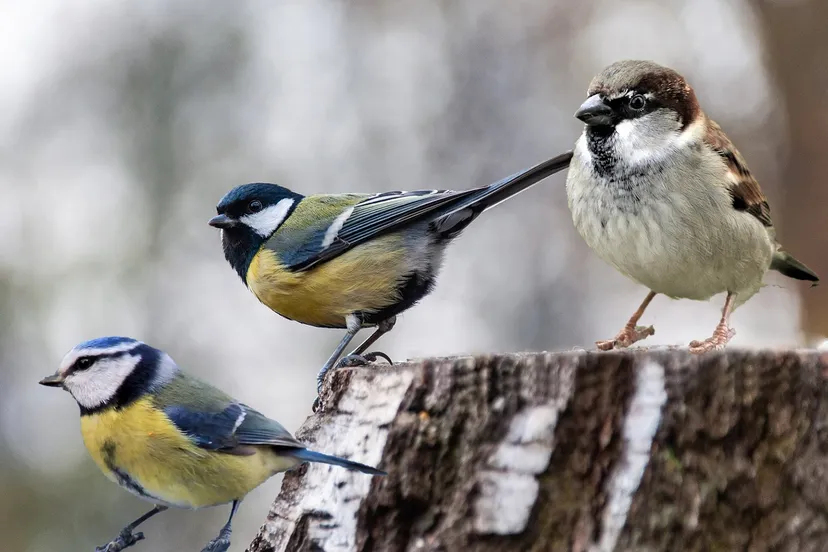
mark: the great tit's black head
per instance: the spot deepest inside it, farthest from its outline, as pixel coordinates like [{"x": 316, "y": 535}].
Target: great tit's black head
[
  {"x": 247, "y": 216},
  {"x": 637, "y": 92},
  {"x": 259, "y": 207},
  {"x": 111, "y": 372}
]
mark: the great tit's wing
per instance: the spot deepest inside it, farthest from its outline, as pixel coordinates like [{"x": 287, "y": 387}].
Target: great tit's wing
[
  {"x": 213, "y": 420},
  {"x": 448, "y": 211},
  {"x": 370, "y": 217}
]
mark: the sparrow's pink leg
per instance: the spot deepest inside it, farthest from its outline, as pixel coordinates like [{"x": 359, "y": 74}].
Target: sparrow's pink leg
[
  {"x": 631, "y": 333},
  {"x": 721, "y": 335}
]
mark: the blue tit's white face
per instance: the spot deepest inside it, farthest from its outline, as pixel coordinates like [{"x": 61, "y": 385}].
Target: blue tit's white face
[
  {"x": 94, "y": 371},
  {"x": 112, "y": 371}
]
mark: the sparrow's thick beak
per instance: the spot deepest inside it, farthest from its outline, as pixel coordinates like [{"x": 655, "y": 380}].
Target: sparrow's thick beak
[
  {"x": 55, "y": 380},
  {"x": 223, "y": 221},
  {"x": 595, "y": 112}
]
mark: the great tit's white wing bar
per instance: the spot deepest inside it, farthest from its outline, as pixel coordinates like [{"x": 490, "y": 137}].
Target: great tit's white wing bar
[{"x": 234, "y": 426}]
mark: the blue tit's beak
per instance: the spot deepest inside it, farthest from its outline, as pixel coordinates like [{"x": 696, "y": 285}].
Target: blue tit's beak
[
  {"x": 223, "y": 221},
  {"x": 595, "y": 112},
  {"x": 55, "y": 380}
]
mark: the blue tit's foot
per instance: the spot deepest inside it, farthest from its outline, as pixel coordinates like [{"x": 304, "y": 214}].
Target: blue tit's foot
[
  {"x": 124, "y": 540},
  {"x": 219, "y": 544},
  {"x": 349, "y": 361},
  {"x": 626, "y": 337}
]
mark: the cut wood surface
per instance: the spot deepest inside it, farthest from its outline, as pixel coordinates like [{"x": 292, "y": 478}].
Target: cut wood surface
[{"x": 581, "y": 451}]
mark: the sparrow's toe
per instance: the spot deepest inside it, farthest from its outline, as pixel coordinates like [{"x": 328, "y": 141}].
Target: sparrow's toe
[
  {"x": 626, "y": 337},
  {"x": 716, "y": 342}
]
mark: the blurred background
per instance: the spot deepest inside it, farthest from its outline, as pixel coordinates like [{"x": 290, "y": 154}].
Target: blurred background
[{"x": 123, "y": 123}]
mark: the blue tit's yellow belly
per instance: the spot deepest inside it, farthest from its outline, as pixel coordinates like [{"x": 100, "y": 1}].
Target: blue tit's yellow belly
[
  {"x": 139, "y": 448},
  {"x": 366, "y": 279}
]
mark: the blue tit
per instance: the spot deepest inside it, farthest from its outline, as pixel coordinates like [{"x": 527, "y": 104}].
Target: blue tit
[
  {"x": 351, "y": 260},
  {"x": 171, "y": 439}
]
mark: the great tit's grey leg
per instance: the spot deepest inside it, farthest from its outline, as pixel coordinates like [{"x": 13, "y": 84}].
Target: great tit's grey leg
[
  {"x": 353, "y": 325},
  {"x": 382, "y": 328},
  {"x": 359, "y": 357},
  {"x": 631, "y": 333},
  {"x": 222, "y": 542},
  {"x": 126, "y": 537}
]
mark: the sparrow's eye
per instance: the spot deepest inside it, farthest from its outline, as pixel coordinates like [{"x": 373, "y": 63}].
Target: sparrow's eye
[
  {"x": 83, "y": 363},
  {"x": 254, "y": 206},
  {"x": 638, "y": 102}
]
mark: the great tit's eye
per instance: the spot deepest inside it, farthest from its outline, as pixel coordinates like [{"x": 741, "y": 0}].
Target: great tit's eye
[
  {"x": 637, "y": 102},
  {"x": 254, "y": 206},
  {"x": 83, "y": 363}
]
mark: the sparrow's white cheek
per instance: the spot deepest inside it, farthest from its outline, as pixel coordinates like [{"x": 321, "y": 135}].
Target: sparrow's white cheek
[{"x": 646, "y": 140}]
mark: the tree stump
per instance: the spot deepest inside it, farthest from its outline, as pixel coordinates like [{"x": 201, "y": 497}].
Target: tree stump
[{"x": 580, "y": 451}]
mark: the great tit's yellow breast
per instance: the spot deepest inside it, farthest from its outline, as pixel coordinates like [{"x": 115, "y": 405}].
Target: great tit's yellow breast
[
  {"x": 139, "y": 448},
  {"x": 363, "y": 279}
]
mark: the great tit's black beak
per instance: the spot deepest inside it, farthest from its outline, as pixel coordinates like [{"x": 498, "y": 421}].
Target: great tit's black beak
[
  {"x": 595, "y": 112},
  {"x": 55, "y": 380},
  {"x": 223, "y": 221}
]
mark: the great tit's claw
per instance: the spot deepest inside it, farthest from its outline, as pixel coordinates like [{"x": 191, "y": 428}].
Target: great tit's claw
[
  {"x": 351, "y": 361},
  {"x": 317, "y": 405}
]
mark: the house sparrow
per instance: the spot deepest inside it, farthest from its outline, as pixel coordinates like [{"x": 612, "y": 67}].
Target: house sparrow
[{"x": 658, "y": 191}]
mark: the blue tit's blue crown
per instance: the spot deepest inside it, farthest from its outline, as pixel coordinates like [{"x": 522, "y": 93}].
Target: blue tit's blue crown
[
  {"x": 103, "y": 343},
  {"x": 235, "y": 202}
]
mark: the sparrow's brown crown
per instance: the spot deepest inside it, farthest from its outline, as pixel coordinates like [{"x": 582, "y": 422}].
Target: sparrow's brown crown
[{"x": 667, "y": 87}]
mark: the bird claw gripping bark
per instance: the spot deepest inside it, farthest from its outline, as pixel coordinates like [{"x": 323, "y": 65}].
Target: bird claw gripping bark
[{"x": 626, "y": 337}]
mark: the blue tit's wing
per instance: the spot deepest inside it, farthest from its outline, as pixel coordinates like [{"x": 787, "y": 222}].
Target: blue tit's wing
[
  {"x": 213, "y": 420},
  {"x": 230, "y": 429}
]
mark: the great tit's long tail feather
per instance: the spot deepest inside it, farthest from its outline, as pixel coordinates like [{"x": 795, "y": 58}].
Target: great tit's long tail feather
[
  {"x": 785, "y": 263},
  {"x": 462, "y": 212},
  {"x": 504, "y": 189},
  {"x": 313, "y": 456}
]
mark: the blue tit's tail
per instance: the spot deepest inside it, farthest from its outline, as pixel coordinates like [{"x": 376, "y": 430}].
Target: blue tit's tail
[
  {"x": 459, "y": 214},
  {"x": 312, "y": 456}
]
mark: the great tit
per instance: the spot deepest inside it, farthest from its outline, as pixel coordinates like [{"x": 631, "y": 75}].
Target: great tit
[
  {"x": 350, "y": 260},
  {"x": 171, "y": 439}
]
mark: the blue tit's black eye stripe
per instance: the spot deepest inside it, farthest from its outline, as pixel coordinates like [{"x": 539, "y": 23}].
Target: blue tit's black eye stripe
[{"x": 87, "y": 361}]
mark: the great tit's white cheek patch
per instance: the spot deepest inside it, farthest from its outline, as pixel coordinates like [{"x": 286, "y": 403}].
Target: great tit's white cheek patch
[
  {"x": 266, "y": 221},
  {"x": 100, "y": 382}
]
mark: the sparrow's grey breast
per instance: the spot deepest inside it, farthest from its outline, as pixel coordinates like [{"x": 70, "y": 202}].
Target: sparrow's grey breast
[{"x": 667, "y": 220}]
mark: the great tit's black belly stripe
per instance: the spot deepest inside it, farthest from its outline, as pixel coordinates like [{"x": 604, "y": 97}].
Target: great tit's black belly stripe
[
  {"x": 416, "y": 286},
  {"x": 124, "y": 479}
]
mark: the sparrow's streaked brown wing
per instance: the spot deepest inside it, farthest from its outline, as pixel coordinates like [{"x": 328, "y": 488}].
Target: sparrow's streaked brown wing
[{"x": 745, "y": 191}]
